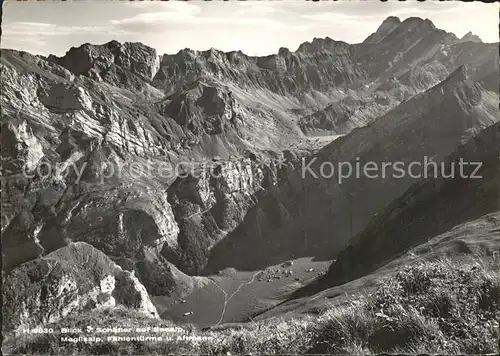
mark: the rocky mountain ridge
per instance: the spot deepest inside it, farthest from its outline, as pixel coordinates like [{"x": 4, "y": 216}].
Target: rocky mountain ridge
[{"x": 92, "y": 144}]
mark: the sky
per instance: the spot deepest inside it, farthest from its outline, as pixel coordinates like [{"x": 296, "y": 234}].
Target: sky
[{"x": 254, "y": 27}]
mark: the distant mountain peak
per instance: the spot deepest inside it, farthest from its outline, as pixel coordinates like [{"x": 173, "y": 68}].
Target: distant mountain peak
[
  {"x": 387, "y": 26},
  {"x": 470, "y": 37},
  {"x": 418, "y": 22},
  {"x": 391, "y": 20}
]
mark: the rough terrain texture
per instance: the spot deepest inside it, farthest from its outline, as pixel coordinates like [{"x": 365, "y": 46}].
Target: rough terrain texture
[
  {"x": 91, "y": 143},
  {"x": 427, "y": 209},
  {"x": 74, "y": 278}
]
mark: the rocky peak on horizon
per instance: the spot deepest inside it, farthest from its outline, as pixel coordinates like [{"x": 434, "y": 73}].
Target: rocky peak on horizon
[
  {"x": 394, "y": 24},
  {"x": 105, "y": 52},
  {"x": 388, "y": 25},
  {"x": 458, "y": 75},
  {"x": 470, "y": 37},
  {"x": 96, "y": 60},
  {"x": 173, "y": 71}
]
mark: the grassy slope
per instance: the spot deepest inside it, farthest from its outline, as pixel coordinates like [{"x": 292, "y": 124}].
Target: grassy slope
[
  {"x": 478, "y": 238},
  {"x": 428, "y": 307}
]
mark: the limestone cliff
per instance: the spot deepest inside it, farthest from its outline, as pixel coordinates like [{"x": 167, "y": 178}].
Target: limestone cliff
[{"x": 74, "y": 278}]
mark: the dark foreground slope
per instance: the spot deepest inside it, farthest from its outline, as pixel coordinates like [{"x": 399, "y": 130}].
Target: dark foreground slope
[{"x": 429, "y": 208}]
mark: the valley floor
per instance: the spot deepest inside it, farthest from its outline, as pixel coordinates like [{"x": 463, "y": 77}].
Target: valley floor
[{"x": 236, "y": 296}]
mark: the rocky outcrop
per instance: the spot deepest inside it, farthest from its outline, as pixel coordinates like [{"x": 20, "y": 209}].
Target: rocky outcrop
[
  {"x": 97, "y": 61},
  {"x": 71, "y": 279},
  {"x": 423, "y": 77},
  {"x": 51, "y": 104},
  {"x": 418, "y": 56},
  {"x": 204, "y": 109},
  {"x": 210, "y": 203},
  {"x": 99, "y": 131}
]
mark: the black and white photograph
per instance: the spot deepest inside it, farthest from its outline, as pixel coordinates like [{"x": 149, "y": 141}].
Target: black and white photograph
[{"x": 250, "y": 177}]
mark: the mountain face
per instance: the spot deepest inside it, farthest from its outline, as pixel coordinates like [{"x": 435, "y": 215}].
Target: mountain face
[
  {"x": 387, "y": 26},
  {"x": 95, "y": 144},
  {"x": 316, "y": 214},
  {"x": 428, "y": 208},
  {"x": 209, "y": 207},
  {"x": 108, "y": 62},
  {"x": 453, "y": 213}
]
